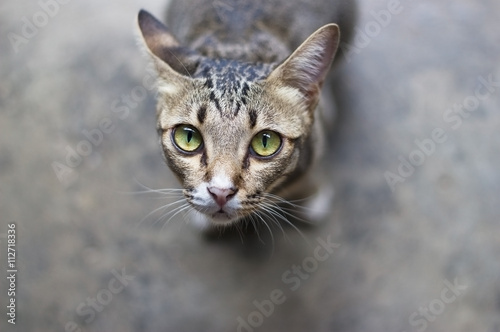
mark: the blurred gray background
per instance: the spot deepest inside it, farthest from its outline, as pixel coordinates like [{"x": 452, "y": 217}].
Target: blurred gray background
[{"x": 422, "y": 257}]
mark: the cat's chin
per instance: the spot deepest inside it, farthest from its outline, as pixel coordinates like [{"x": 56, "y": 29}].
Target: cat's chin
[{"x": 204, "y": 221}]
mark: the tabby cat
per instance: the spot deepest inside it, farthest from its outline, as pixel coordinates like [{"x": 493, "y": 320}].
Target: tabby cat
[{"x": 240, "y": 117}]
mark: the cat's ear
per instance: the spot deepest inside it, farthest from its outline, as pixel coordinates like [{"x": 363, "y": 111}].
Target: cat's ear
[
  {"x": 164, "y": 47},
  {"x": 307, "y": 67}
]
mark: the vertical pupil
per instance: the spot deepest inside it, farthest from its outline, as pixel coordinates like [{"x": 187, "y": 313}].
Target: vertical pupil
[
  {"x": 265, "y": 137},
  {"x": 189, "y": 135}
]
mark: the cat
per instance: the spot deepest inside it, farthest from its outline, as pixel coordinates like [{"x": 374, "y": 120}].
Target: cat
[{"x": 241, "y": 112}]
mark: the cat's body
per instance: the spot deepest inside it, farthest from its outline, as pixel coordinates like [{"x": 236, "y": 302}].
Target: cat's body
[
  {"x": 238, "y": 115},
  {"x": 265, "y": 31}
]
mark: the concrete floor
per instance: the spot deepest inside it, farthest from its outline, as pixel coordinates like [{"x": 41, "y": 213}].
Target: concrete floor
[{"x": 422, "y": 257}]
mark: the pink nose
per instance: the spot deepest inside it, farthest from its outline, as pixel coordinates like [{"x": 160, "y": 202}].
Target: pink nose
[{"x": 221, "y": 196}]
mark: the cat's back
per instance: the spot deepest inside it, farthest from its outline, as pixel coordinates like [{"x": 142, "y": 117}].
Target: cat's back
[{"x": 257, "y": 30}]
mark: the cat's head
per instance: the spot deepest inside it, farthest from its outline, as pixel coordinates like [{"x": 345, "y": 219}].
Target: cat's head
[{"x": 235, "y": 132}]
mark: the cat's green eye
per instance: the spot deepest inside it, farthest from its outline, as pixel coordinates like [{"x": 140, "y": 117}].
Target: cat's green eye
[
  {"x": 266, "y": 143},
  {"x": 187, "y": 138}
]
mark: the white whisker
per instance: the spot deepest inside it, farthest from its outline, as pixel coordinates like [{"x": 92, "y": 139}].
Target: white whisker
[
  {"x": 269, "y": 215},
  {"x": 163, "y": 207},
  {"x": 275, "y": 210},
  {"x": 292, "y": 204},
  {"x": 252, "y": 220},
  {"x": 294, "y": 211},
  {"x": 270, "y": 233},
  {"x": 147, "y": 190},
  {"x": 179, "y": 210},
  {"x": 165, "y": 215}
]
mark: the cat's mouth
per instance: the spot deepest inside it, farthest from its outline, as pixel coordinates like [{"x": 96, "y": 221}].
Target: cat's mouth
[{"x": 218, "y": 216}]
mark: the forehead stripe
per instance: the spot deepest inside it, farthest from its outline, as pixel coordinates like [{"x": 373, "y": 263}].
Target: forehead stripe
[
  {"x": 202, "y": 113},
  {"x": 253, "y": 118}
]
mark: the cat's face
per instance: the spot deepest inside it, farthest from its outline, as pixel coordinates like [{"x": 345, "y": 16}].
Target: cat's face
[
  {"x": 233, "y": 133},
  {"x": 229, "y": 148}
]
